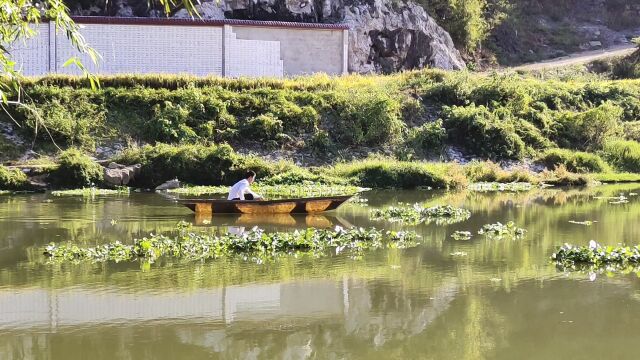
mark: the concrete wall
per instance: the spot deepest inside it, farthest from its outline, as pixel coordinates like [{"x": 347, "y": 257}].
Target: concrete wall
[
  {"x": 304, "y": 51},
  {"x": 215, "y": 48}
]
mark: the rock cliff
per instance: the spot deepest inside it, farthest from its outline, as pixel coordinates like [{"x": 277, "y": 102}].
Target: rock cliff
[{"x": 385, "y": 36}]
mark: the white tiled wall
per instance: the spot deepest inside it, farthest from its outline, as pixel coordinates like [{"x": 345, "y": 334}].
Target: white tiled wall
[
  {"x": 32, "y": 56},
  {"x": 195, "y": 50},
  {"x": 199, "y": 50}
]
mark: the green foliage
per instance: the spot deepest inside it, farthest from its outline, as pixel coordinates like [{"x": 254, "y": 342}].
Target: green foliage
[
  {"x": 262, "y": 127},
  {"x": 624, "y": 155},
  {"x": 574, "y": 161},
  {"x": 13, "y": 179},
  {"x": 194, "y": 164},
  {"x": 361, "y": 117},
  {"x": 428, "y": 138},
  {"x": 417, "y": 214},
  {"x": 560, "y": 176},
  {"x": 500, "y": 231},
  {"x": 91, "y": 192},
  {"x": 468, "y": 21},
  {"x": 484, "y": 132},
  {"x": 275, "y": 191},
  {"x": 75, "y": 169},
  {"x": 589, "y": 130},
  {"x": 254, "y": 245},
  {"x": 595, "y": 256},
  {"x": 387, "y": 173}
]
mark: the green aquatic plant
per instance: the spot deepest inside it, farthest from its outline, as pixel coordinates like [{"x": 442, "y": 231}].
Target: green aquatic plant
[
  {"x": 461, "y": 235},
  {"x": 255, "y": 245},
  {"x": 499, "y": 230},
  {"x": 270, "y": 191},
  {"x": 458, "y": 254},
  {"x": 597, "y": 257},
  {"x": 92, "y": 191},
  {"x": 495, "y": 186},
  {"x": 586, "y": 222},
  {"x": 417, "y": 214}
]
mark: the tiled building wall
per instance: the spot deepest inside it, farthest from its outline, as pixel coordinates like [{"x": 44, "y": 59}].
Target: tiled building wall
[{"x": 225, "y": 50}]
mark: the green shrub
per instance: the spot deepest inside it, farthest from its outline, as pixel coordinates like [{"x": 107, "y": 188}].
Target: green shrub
[
  {"x": 194, "y": 164},
  {"x": 69, "y": 118},
  {"x": 364, "y": 117},
  {"x": 574, "y": 161},
  {"x": 75, "y": 169},
  {"x": 300, "y": 176},
  {"x": 487, "y": 171},
  {"x": 560, "y": 176},
  {"x": 262, "y": 127},
  {"x": 589, "y": 130},
  {"x": 428, "y": 138},
  {"x": 483, "y": 132},
  {"x": 387, "y": 173},
  {"x": 624, "y": 155},
  {"x": 13, "y": 179}
]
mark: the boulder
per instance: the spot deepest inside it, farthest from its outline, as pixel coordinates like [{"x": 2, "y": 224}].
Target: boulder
[
  {"x": 118, "y": 175},
  {"x": 384, "y": 36},
  {"x": 211, "y": 10},
  {"x": 171, "y": 184}
]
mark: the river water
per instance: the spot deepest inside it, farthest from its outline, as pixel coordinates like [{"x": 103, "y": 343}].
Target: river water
[{"x": 504, "y": 300}]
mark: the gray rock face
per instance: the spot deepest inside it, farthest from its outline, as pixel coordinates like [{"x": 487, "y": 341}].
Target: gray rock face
[
  {"x": 171, "y": 184},
  {"x": 384, "y": 36},
  {"x": 116, "y": 174}
]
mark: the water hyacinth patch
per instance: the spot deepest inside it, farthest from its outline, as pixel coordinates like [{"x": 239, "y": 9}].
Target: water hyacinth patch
[
  {"x": 495, "y": 186},
  {"x": 92, "y": 191},
  {"x": 255, "y": 245},
  {"x": 461, "y": 235},
  {"x": 271, "y": 191},
  {"x": 499, "y": 230},
  {"x": 596, "y": 258},
  {"x": 417, "y": 214},
  {"x": 585, "y": 223}
]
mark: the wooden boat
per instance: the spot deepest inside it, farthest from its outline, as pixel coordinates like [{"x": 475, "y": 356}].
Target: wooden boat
[{"x": 282, "y": 206}]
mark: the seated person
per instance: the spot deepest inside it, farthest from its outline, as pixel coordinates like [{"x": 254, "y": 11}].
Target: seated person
[{"x": 241, "y": 189}]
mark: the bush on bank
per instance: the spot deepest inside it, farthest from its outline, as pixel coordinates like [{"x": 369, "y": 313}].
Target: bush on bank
[
  {"x": 493, "y": 117},
  {"x": 220, "y": 165},
  {"x": 12, "y": 179},
  {"x": 574, "y": 161},
  {"x": 625, "y": 155},
  {"x": 75, "y": 169}
]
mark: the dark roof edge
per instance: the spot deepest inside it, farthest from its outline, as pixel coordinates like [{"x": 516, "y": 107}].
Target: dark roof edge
[{"x": 202, "y": 22}]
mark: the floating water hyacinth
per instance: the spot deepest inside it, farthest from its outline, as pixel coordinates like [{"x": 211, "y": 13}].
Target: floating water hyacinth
[
  {"x": 495, "y": 186},
  {"x": 586, "y": 222},
  {"x": 417, "y": 214},
  {"x": 253, "y": 245},
  {"x": 459, "y": 254},
  {"x": 92, "y": 191},
  {"x": 596, "y": 257},
  {"x": 499, "y": 230},
  {"x": 299, "y": 190},
  {"x": 461, "y": 235}
]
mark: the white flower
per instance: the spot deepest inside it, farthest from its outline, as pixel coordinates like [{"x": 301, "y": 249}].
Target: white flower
[{"x": 593, "y": 245}]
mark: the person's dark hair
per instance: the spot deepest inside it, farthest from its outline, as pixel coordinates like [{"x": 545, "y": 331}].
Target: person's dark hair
[{"x": 249, "y": 174}]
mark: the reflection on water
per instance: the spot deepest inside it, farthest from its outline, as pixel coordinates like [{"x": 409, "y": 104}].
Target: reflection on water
[{"x": 502, "y": 301}]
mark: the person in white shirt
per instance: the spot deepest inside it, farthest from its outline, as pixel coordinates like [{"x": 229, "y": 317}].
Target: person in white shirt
[{"x": 242, "y": 191}]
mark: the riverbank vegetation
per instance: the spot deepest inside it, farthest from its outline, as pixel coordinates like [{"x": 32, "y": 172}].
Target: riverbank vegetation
[{"x": 371, "y": 131}]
